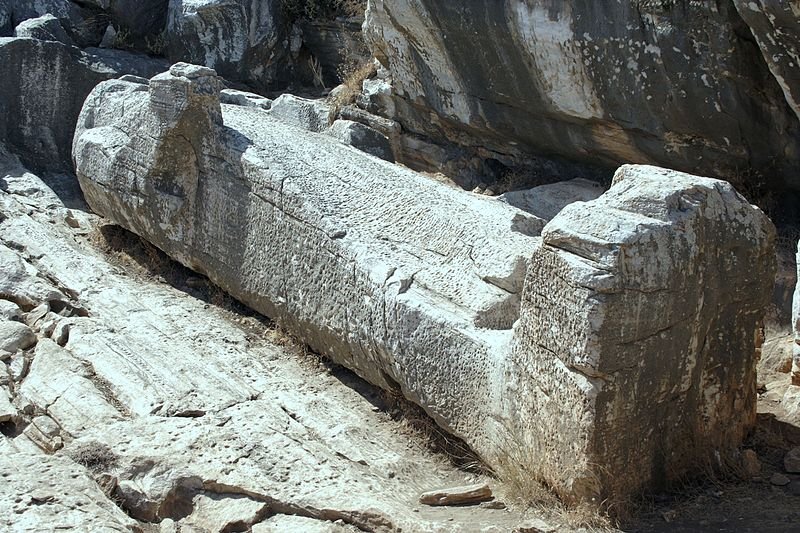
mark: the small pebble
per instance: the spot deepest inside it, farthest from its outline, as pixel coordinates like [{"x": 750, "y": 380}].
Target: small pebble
[{"x": 779, "y": 479}]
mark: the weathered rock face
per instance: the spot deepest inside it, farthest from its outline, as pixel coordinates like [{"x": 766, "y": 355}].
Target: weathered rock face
[
  {"x": 775, "y": 24},
  {"x": 680, "y": 84},
  {"x": 628, "y": 327},
  {"x": 244, "y": 41},
  {"x": 43, "y": 90},
  {"x": 44, "y": 28},
  {"x": 417, "y": 286},
  {"x": 85, "y": 23}
]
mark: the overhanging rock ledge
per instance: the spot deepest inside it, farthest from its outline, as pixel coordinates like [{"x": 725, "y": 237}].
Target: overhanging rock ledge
[{"x": 605, "y": 352}]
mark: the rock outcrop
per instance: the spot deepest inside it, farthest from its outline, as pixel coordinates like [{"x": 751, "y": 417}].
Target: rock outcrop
[
  {"x": 679, "y": 84},
  {"x": 244, "y": 41},
  {"x": 775, "y": 24},
  {"x": 84, "y": 22},
  {"x": 43, "y": 89},
  {"x": 509, "y": 340}
]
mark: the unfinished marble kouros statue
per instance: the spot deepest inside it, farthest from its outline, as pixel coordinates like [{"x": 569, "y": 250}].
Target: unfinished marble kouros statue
[{"x": 605, "y": 351}]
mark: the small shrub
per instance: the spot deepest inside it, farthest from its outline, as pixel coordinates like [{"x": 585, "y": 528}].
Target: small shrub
[
  {"x": 316, "y": 72},
  {"x": 95, "y": 456},
  {"x": 123, "y": 40},
  {"x": 156, "y": 45}
]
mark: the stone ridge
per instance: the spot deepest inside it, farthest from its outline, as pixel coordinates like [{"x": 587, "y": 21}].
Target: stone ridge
[{"x": 417, "y": 286}]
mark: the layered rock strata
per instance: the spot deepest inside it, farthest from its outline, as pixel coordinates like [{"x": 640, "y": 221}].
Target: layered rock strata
[
  {"x": 609, "y": 337},
  {"x": 703, "y": 87}
]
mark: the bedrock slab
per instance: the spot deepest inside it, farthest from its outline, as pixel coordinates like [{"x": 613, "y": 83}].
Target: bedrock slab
[
  {"x": 181, "y": 412},
  {"x": 417, "y": 286}
]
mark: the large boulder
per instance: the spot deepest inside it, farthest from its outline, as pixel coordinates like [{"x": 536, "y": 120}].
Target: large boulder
[
  {"x": 43, "y": 90},
  {"x": 244, "y": 41},
  {"x": 85, "y": 23},
  {"x": 635, "y": 353},
  {"x": 446, "y": 296},
  {"x": 679, "y": 84},
  {"x": 44, "y": 28}
]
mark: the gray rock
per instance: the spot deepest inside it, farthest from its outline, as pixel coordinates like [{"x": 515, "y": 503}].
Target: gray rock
[
  {"x": 15, "y": 336},
  {"x": 61, "y": 382},
  {"x": 546, "y": 201},
  {"x": 468, "y": 494},
  {"x": 43, "y": 90},
  {"x": 45, "y": 28},
  {"x": 775, "y": 24},
  {"x": 776, "y": 355},
  {"x": 21, "y": 285},
  {"x": 9, "y": 310},
  {"x": 667, "y": 83},
  {"x": 376, "y": 97},
  {"x": 416, "y": 286},
  {"x": 779, "y": 479},
  {"x": 244, "y": 41},
  {"x": 8, "y": 413},
  {"x": 234, "y": 97},
  {"x": 41, "y": 492},
  {"x": 311, "y": 115},
  {"x": 791, "y": 461},
  {"x": 18, "y": 366},
  {"x": 45, "y": 433},
  {"x": 135, "y": 79},
  {"x": 84, "y": 24},
  {"x": 362, "y": 138},
  {"x": 652, "y": 248}
]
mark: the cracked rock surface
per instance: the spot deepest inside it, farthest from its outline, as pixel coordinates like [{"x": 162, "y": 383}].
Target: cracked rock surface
[{"x": 142, "y": 408}]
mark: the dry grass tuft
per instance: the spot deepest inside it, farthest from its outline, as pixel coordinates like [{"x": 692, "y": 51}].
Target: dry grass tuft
[
  {"x": 136, "y": 255},
  {"x": 322, "y": 9},
  {"x": 352, "y": 75},
  {"x": 95, "y": 456},
  {"x": 421, "y": 428},
  {"x": 518, "y": 469}
]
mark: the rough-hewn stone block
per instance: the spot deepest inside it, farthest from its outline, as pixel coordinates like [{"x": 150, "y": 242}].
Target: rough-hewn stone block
[{"x": 630, "y": 356}]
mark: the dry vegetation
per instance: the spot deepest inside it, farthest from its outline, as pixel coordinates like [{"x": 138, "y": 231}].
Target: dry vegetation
[
  {"x": 323, "y": 9},
  {"x": 352, "y": 75}
]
